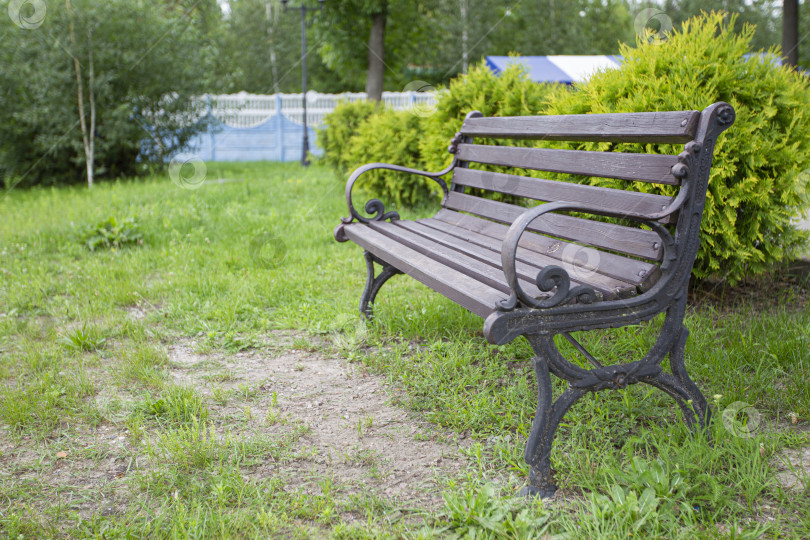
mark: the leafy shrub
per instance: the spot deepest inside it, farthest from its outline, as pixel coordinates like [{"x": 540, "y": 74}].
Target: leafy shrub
[
  {"x": 357, "y": 134},
  {"x": 339, "y": 127},
  {"x": 111, "y": 234},
  {"x": 511, "y": 93},
  {"x": 755, "y": 189},
  {"x": 391, "y": 137}
]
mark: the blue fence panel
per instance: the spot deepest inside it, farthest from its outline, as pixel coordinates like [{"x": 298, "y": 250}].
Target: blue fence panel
[{"x": 276, "y": 139}]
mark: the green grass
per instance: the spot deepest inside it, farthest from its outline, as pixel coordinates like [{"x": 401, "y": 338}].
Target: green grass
[{"x": 83, "y": 349}]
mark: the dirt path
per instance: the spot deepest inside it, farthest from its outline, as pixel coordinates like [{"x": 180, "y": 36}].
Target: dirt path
[{"x": 356, "y": 436}]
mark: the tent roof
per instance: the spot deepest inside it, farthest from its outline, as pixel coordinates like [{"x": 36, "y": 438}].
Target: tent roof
[{"x": 562, "y": 68}]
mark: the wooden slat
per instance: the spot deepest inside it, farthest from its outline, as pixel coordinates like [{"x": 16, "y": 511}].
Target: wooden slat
[
  {"x": 456, "y": 259},
  {"x": 614, "y": 200},
  {"x": 458, "y": 287},
  {"x": 643, "y": 167},
  {"x": 658, "y": 127},
  {"x": 610, "y": 264},
  {"x": 628, "y": 240},
  {"x": 529, "y": 263}
]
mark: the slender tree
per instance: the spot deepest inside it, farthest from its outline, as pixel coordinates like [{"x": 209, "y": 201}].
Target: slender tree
[{"x": 790, "y": 32}]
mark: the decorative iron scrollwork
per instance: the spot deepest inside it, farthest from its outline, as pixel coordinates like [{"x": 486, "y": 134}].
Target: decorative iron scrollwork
[
  {"x": 726, "y": 115},
  {"x": 374, "y": 207},
  {"x": 548, "y": 279},
  {"x": 454, "y": 142},
  {"x": 555, "y": 277}
]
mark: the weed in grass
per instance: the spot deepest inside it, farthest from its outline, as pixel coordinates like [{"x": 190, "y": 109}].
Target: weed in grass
[
  {"x": 219, "y": 395},
  {"x": 273, "y": 415},
  {"x": 244, "y": 391},
  {"x": 112, "y": 234},
  {"x": 177, "y": 404},
  {"x": 193, "y": 446},
  {"x": 363, "y": 425},
  {"x": 304, "y": 344},
  {"x": 86, "y": 338},
  {"x": 479, "y": 512}
]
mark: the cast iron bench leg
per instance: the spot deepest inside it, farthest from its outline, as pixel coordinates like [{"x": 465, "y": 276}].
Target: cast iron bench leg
[
  {"x": 546, "y": 420},
  {"x": 373, "y": 284},
  {"x": 671, "y": 342},
  {"x": 696, "y": 411}
]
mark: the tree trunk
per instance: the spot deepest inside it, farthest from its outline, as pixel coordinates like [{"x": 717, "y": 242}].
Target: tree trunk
[
  {"x": 376, "y": 55},
  {"x": 90, "y": 153},
  {"x": 465, "y": 54},
  {"x": 86, "y": 136},
  {"x": 790, "y": 32},
  {"x": 272, "y": 19}
]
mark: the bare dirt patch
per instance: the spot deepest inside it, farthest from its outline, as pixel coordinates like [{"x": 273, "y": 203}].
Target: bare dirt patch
[
  {"x": 794, "y": 468},
  {"x": 356, "y": 437}
]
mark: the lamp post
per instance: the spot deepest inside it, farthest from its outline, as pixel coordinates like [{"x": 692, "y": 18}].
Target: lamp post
[{"x": 304, "y": 9}]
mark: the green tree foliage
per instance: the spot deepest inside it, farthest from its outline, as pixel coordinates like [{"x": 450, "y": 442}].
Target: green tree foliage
[
  {"x": 757, "y": 187},
  {"x": 765, "y": 15},
  {"x": 142, "y": 84},
  {"x": 258, "y": 50},
  {"x": 548, "y": 27},
  {"x": 342, "y": 31}
]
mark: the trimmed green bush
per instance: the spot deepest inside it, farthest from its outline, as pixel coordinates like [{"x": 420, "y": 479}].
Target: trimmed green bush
[
  {"x": 390, "y": 136},
  {"x": 511, "y": 93},
  {"x": 356, "y": 135},
  {"x": 755, "y": 189},
  {"x": 339, "y": 127}
]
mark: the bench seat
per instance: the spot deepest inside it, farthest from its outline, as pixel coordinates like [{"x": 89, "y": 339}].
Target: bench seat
[{"x": 459, "y": 256}]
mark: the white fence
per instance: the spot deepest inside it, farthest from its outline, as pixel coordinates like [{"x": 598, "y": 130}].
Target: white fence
[{"x": 245, "y": 110}]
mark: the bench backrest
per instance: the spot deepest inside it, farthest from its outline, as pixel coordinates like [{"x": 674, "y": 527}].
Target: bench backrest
[{"x": 697, "y": 128}]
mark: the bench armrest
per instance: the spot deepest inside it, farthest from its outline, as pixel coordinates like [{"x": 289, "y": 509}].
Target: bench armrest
[
  {"x": 557, "y": 277},
  {"x": 374, "y": 207}
]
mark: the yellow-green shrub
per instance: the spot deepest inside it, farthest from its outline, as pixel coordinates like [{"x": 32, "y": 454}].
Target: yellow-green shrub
[
  {"x": 511, "y": 93},
  {"x": 390, "y": 136},
  {"x": 755, "y": 189},
  {"x": 339, "y": 127}
]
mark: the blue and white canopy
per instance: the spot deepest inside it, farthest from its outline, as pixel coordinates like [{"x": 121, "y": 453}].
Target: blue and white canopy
[
  {"x": 570, "y": 69},
  {"x": 561, "y": 69}
]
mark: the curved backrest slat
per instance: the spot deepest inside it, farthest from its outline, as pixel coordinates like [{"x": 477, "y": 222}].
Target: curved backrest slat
[
  {"x": 627, "y": 240},
  {"x": 614, "y": 200},
  {"x": 655, "y": 168},
  {"x": 648, "y": 127}
]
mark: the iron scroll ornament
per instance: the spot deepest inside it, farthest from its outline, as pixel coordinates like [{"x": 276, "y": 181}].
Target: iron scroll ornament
[
  {"x": 375, "y": 207},
  {"x": 555, "y": 277}
]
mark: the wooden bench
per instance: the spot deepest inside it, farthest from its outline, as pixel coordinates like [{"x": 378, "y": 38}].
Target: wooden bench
[{"x": 536, "y": 271}]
